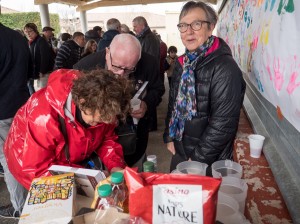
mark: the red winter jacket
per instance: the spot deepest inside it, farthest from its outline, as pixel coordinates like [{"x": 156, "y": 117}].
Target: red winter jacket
[{"x": 35, "y": 141}]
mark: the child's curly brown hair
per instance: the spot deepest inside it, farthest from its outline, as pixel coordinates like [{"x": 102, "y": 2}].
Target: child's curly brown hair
[{"x": 104, "y": 91}]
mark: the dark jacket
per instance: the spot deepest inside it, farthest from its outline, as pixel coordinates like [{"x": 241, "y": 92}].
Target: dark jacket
[
  {"x": 42, "y": 57},
  {"x": 14, "y": 71},
  {"x": 108, "y": 36},
  {"x": 68, "y": 54},
  {"x": 150, "y": 43},
  {"x": 147, "y": 69},
  {"x": 220, "y": 90}
]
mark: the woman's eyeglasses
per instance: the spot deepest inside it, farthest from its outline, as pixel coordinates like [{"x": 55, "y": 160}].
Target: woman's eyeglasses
[{"x": 196, "y": 25}]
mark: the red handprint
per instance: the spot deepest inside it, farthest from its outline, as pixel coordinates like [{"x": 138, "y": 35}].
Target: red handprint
[{"x": 292, "y": 84}]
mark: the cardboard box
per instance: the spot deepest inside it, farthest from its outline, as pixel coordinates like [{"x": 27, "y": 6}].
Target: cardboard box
[
  {"x": 50, "y": 200},
  {"x": 86, "y": 179}
]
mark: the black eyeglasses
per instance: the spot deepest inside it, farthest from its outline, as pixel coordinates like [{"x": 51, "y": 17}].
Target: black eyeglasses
[
  {"x": 116, "y": 68},
  {"x": 196, "y": 25}
]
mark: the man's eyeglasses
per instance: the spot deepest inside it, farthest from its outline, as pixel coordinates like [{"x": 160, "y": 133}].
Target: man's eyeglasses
[
  {"x": 116, "y": 68},
  {"x": 196, "y": 25}
]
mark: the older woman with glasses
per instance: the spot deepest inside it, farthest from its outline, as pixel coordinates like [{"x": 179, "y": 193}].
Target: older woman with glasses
[{"x": 206, "y": 94}]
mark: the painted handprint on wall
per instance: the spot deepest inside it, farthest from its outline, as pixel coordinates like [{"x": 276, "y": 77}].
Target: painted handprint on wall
[
  {"x": 278, "y": 73},
  {"x": 292, "y": 83}
]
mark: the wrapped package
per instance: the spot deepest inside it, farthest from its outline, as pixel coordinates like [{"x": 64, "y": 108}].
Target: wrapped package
[{"x": 172, "y": 198}]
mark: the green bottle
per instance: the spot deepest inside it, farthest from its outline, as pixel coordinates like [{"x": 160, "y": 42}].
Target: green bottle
[{"x": 148, "y": 166}]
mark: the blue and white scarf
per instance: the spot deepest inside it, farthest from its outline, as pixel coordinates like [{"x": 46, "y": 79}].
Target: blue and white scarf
[{"x": 185, "y": 105}]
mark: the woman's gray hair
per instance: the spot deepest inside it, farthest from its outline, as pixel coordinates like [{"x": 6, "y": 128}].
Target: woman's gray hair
[{"x": 210, "y": 13}]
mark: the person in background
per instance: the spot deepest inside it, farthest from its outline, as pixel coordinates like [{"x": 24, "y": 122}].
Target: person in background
[
  {"x": 113, "y": 27},
  {"x": 125, "y": 29},
  {"x": 98, "y": 29},
  {"x": 49, "y": 37},
  {"x": 15, "y": 68},
  {"x": 124, "y": 58},
  {"x": 88, "y": 104},
  {"x": 206, "y": 93},
  {"x": 63, "y": 38},
  {"x": 169, "y": 63},
  {"x": 91, "y": 35},
  {"x": 70, "y": 52},
  {"x": 48, "y": 34},
  {"x": 150, "y": 44},
  {"x": 41, "y": 55},
  {"x": 163, "y": 54},
  {"x": 90, "y": 48}
]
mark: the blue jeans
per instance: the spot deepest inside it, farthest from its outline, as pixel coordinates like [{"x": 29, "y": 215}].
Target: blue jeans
[{"x": 17, "y": 192}]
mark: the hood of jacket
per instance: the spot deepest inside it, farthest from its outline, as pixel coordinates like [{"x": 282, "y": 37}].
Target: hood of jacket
[{"x": 58, "y": 91}]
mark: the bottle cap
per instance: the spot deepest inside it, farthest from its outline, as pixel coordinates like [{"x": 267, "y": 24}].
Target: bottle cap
[
  {"x": 152, "y": 158},
  {"x": 117, "y": 177},
  {"x": 104, "y": 190},
  {"x": 148, "y": 166}
]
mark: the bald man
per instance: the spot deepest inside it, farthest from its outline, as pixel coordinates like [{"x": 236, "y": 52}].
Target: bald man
[{"x": 124, "y": 57}]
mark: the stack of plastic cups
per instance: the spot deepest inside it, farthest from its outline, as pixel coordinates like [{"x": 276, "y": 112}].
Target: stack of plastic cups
[{"x": 233, "y": 190}]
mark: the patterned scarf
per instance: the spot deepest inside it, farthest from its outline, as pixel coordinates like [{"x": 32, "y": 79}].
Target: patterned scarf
[{"x": 185, "y": 105}]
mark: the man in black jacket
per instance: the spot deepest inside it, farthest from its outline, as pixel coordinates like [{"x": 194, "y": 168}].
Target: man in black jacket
[
  {"x": 151, "y": 45},
  {"x": 70, "y": 51},
  {"x": 41, "y": 55},
  {"x": 124, "y": 57},
  {"x": 14, "y": 73}
]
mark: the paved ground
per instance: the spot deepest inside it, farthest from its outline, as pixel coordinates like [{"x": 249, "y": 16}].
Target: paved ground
[{"x": 155, "y": 146}]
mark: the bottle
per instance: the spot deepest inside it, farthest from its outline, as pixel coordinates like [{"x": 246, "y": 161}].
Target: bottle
[
  {"x": 106, "y": 199},
  {"x": 148, "y": 166},
  {"x": 120, "y": 191},
  {"x": 153, "y": 158}
]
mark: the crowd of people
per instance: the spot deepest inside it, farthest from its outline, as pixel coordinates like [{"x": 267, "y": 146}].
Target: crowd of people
[{"x": 85, "y": 84}]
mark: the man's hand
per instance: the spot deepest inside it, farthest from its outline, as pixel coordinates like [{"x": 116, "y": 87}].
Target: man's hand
[
  {"x": 140, "y": 112},
  {"x": 170, "y": 147}
]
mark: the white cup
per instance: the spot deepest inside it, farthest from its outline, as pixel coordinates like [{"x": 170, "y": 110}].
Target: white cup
[
  {"x": 256, "y": 144},
  {"x": 135, "y": 104}
]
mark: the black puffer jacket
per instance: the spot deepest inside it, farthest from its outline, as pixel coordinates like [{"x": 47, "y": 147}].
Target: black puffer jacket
[{"x": 220, "y": 90}]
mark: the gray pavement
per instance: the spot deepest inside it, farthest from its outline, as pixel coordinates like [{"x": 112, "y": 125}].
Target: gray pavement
[{"x": 155, "y": 146}]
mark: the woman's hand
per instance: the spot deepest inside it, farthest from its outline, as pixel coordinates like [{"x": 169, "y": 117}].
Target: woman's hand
[{"x": 171, "y": 148}]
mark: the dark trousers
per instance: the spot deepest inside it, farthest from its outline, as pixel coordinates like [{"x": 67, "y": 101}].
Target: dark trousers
[{"x": 141, "y": 143}]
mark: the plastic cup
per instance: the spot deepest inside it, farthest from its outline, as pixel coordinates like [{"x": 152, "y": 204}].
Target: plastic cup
[
  {"x": 223, "y": 168},
  {"x": 256, "y": 144},
  {"x": 135, "y": 105},
  {"x": 227, "y": 211},
  {"x": 192, "y": 167},
  {"x": 236, "y": 188}
]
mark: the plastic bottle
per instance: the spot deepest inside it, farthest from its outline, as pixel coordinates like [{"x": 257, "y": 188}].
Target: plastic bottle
[
  {"x": 153, "y": 158},
  {"x": 148, "y": 166},
  {"x": 120, "y": 191},
  {"x": 106, "y": 199}
]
